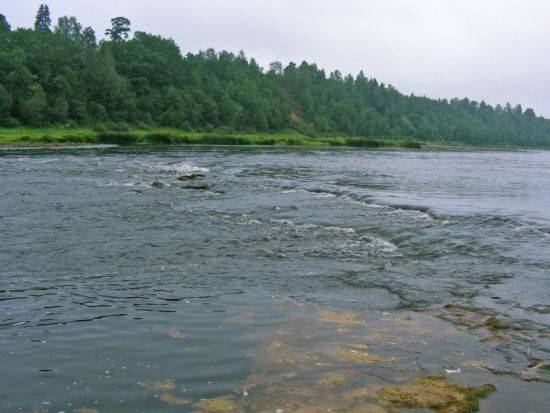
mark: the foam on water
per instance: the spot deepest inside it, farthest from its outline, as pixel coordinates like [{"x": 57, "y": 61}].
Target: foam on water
[
  {"x": 119, "y": 184},
  {"x": 182, "y": 168},
  {"x": 381, "y": 244},
  {"x": 351, "y": 199}
]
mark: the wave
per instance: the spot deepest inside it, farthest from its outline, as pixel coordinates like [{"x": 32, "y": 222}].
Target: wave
[
  {"x": 304, "y": 191},
  {"x": 532, "y": 228},
  {"x": 180, "y": 168},
  {"x": 382, "y": 244},
  {"x": 368, "y": 243},
  {"x": 183, "y": 168},
  {"x": 315, "y": 228},
  {"x": 515, "y": 223},
  {"x": 316, "y": 238},
  {"x": 118, "y": 184},
  {"x": 419, "y": 211}
]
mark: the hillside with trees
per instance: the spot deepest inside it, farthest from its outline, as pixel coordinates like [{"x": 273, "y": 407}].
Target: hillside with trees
[{"x": 60, "y": 74}]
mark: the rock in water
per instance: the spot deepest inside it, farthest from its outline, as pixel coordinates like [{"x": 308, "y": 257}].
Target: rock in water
[
  {"x": 191, "y": 177},
  {"x": 540, "y": 371},
  {"x": 202, "y": 187}
]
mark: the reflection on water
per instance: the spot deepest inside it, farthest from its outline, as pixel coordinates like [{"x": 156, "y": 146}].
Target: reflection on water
[{"x": 280, "y": 281}]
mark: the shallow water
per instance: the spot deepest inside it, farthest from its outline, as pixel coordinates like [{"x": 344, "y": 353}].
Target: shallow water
[{"x": 119, "y": 296}]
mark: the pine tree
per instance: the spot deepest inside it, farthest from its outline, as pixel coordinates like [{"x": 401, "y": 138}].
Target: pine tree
[
  {"x": 4, "y": 25},
  {"x": 120, "y": 29},
  {"x": 43, "y": 20}
]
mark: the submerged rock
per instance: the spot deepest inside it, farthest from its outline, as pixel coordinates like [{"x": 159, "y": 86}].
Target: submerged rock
[
  {"x": 345, "y": 318},
  {"x": 197, "y": 187},
  {"x": 367, "y": 408},
  {"x": 471, "y": 318},
  {"x": 332, "y": 380},
  {"x": 437, "y": 393},
  {"x": 359, "y": 394},
  {"x": 358, "y": 357},
  {"x": 495, "y": 323},
  {"x": 286, "y": 303},
  {"x": 252, "y": 381},
  {"x": 540, "y": 371},
  {"x": 279, "y": 353},
  {"x": 244, "y": 318},
  {"x": 175, "y": 333},
  {"x": 157, "y": 184},
  {"x": 461, "y": 316},
  {"x": 166, "y": 385},
  {"x": 360, "y": 346},
  {"x": 173, "y": 400}
]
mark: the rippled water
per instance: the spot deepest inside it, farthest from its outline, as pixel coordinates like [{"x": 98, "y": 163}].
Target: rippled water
[{"x": 120, "y": 295}]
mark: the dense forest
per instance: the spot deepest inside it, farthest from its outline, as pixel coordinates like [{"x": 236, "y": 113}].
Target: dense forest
[{"x": 62, "y": 75}]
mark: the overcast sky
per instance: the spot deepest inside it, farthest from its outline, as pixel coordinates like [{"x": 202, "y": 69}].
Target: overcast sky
[{"x": 492, "y": 50}]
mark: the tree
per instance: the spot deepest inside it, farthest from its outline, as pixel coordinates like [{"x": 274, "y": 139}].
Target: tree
[
  {"x": 276, "y": 68},
  {"x": 31, "y": 109},
  {"x": 4, "y": 25},
  {"x": 5, "y": 104},
  {"x": 530, "y": 113},
  {"x": 104, "y": 85},
  {"x": 43, "y": 20},
  {"x": 59, "y": 110},
  {"x": 120, "y": 29},
  {"x": 88, "y": 38},
  {"x": 69, "y": 77},
  {"x": 69, "y": 27}
]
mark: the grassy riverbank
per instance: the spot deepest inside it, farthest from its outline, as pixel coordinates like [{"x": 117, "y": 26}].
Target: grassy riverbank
[{"x": 155, "y": 136}]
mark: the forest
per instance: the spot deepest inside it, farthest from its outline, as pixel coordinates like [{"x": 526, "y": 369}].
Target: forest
[{"x": 61, "y": 75}]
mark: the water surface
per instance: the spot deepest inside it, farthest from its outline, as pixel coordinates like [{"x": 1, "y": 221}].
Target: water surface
[{"x": 120, "y": 295}]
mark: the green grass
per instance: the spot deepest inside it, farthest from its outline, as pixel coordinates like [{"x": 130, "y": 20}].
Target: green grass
[{"x": 162, "y": 136}]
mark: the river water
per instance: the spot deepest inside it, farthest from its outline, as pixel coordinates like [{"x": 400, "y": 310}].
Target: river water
[{"x": 275, "y": 270}]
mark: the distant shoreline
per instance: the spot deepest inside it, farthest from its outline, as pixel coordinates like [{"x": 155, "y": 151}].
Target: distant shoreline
[
  {"x": 59, "y": 136},
  {"x": 65, "y": 137}
]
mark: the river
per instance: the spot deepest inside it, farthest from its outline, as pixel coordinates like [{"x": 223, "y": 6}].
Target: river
[{"x": 284, "y": 280}]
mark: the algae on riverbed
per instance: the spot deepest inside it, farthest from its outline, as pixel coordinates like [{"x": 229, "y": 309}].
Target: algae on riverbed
[
  {"x": 333, "y": 379},
  {"x": 436, "y": 393},
  {"x": 344, "y": 318},
  {"x": 358, "y": 357},
  {"x": 165, "y": 385},
  {"x": 223, "y": 404}
]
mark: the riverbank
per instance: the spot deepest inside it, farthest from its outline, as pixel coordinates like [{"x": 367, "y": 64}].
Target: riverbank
[{"x": 84, "y": 136}]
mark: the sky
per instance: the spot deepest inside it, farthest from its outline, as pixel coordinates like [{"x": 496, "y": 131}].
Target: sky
[{"x": 492, "y": 50}]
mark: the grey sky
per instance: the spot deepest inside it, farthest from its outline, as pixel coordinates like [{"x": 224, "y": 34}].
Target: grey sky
[{"x": 496, "y": 50}]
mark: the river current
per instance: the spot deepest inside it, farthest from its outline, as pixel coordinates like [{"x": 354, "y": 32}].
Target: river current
[{"x": 279, "y": 280}]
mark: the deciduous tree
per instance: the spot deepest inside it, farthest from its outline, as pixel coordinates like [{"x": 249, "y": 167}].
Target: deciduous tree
[{"x": 69, "y": 27}]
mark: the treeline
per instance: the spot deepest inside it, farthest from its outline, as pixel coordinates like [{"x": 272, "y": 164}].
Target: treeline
[{"x": 62, "y": 75}]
